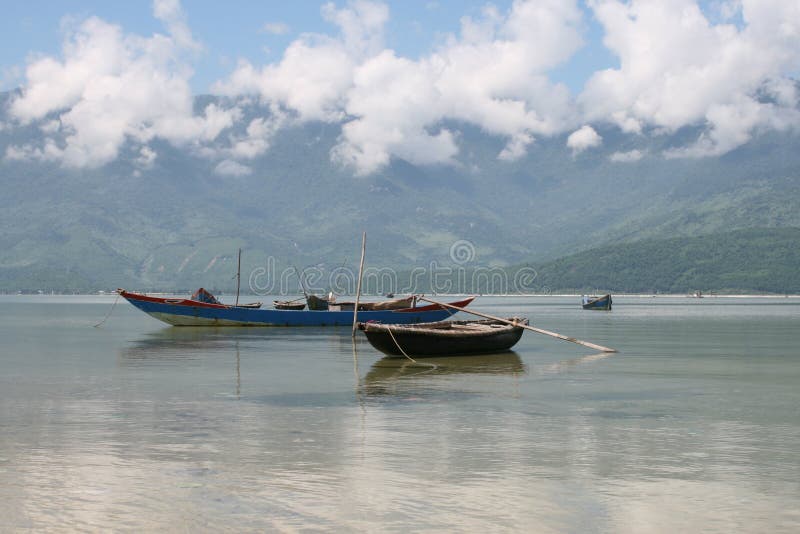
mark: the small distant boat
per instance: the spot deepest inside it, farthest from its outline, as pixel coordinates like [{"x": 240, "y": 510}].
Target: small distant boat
[
  {"x": 288, "y": 305},
  {"x": 444, "y": 338},
  {"x": 394, "y": 304},
  {"x": 331, "y": 304},
  {"x": 251, "y": 305},
  {"x": 203, "y": 295},
  {"x": 316, "y": 303},
  {"x": 597, "y": 303}
]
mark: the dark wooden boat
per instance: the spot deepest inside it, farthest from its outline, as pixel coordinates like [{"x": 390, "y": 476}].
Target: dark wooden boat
[
  {"x": 288, "y": 305},
  {"x": 316, "y": 303},
  {"x": 597, "y": 303},
  {"x": 444, "y": 338},
  {"x": 251, "y": 305}
]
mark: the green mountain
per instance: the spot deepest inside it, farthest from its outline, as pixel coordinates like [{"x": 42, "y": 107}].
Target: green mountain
[
  {"x": 179, "y": 225},
  {"x": 762, "y": 260}
]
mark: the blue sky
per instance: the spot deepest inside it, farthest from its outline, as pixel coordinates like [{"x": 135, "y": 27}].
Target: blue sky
[
  {"x": 237, "y": 31},
  {"x": 97, "y": 76}
]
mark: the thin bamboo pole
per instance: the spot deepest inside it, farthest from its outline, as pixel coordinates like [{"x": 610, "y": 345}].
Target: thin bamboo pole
[
  {"x": 527, "y": 327},
  {"x": 302, "y": 286},
  {"x": 238, "y": 276},
  {"x": 360, "y": 274}
]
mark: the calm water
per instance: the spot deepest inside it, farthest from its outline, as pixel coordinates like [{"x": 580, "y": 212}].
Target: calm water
[{"x": 693, "y": 426}]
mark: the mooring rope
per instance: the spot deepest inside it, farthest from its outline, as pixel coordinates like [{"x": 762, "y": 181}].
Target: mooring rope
[
  {"x": 389, "y": 328},
  {"x": 432, "y": 366},
  {"x": 109, "y": 313}
]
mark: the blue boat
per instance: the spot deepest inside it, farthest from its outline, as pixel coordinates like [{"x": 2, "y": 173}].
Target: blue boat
[
  {"x": 597, "y": 303},
  {"x": 189, "y": 312}
]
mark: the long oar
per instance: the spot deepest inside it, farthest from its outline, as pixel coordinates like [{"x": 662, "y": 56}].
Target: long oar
[{"x": 528, "y": 327}]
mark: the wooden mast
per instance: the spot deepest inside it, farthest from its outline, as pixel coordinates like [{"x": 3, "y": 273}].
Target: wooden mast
[
  {"x": 238, "y": 277},
  {"x": 360, "y": 273},
  {"x": 302, "y": 286}
]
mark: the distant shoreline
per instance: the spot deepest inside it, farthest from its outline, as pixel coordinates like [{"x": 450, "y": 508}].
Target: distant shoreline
[{"x": 527, "y": 295}]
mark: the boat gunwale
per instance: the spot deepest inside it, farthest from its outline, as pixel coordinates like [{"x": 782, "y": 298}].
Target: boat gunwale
[
  {"x": 445, "y": 328},
  {"x": 128, "y": 295}
]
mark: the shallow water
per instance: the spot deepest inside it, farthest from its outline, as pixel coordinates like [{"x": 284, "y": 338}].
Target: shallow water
[{"x": 693, "y": 426}]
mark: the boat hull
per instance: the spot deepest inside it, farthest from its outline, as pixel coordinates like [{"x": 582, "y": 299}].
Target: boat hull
[
  {"x": 184, "y": 312},
  {"x": 420, "y": 341}
]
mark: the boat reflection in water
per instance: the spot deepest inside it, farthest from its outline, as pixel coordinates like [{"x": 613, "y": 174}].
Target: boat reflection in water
[
  {"x": 178, "y": 344},
  {"x": 388, "y": 375},
  {"x": 284, "y": 361},
  {"x": 209, "y": 341}
]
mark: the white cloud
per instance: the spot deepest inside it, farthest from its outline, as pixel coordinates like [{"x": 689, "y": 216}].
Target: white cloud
[
  {"x": 48, "y": 152},
  {"x": 361, "y": 25},
  {"x": 276, "y": 28},
  {"x": 583, "y": 138},
  {"x": 493, "y": 75},
  {"x": 17, "y": 153},
  {"x": 172, "y": 15},
  {"x": 50, "y": 127},
  {"x": 516, "y": 147},
  {"x": 112, "y": 87},
  {"x": 678, "y": 69},
  {"x": 626, "y": 157},
  {"x": 232, "y": 168},
  {"x": 147, "y": 156},
  {"x": 310, "y": 80},
  {"x": 257, "y": 138},
  {"x": 678, "y": 66},
  {"x": 393, "y": 101},
  {"x": 316, "y": 70}
]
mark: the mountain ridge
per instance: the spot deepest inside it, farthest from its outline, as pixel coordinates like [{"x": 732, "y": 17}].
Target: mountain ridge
[{"x": 178, "y": 224}]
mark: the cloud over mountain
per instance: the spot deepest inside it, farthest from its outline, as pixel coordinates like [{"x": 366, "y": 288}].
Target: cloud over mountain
[
  {"x": 583, "y": 138},
  {"x": 727, "y": 72},
  {"x": 678, "y": 69}
]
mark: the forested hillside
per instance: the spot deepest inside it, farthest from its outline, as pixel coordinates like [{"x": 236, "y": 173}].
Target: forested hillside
[{"x": 754, "y": 261}]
